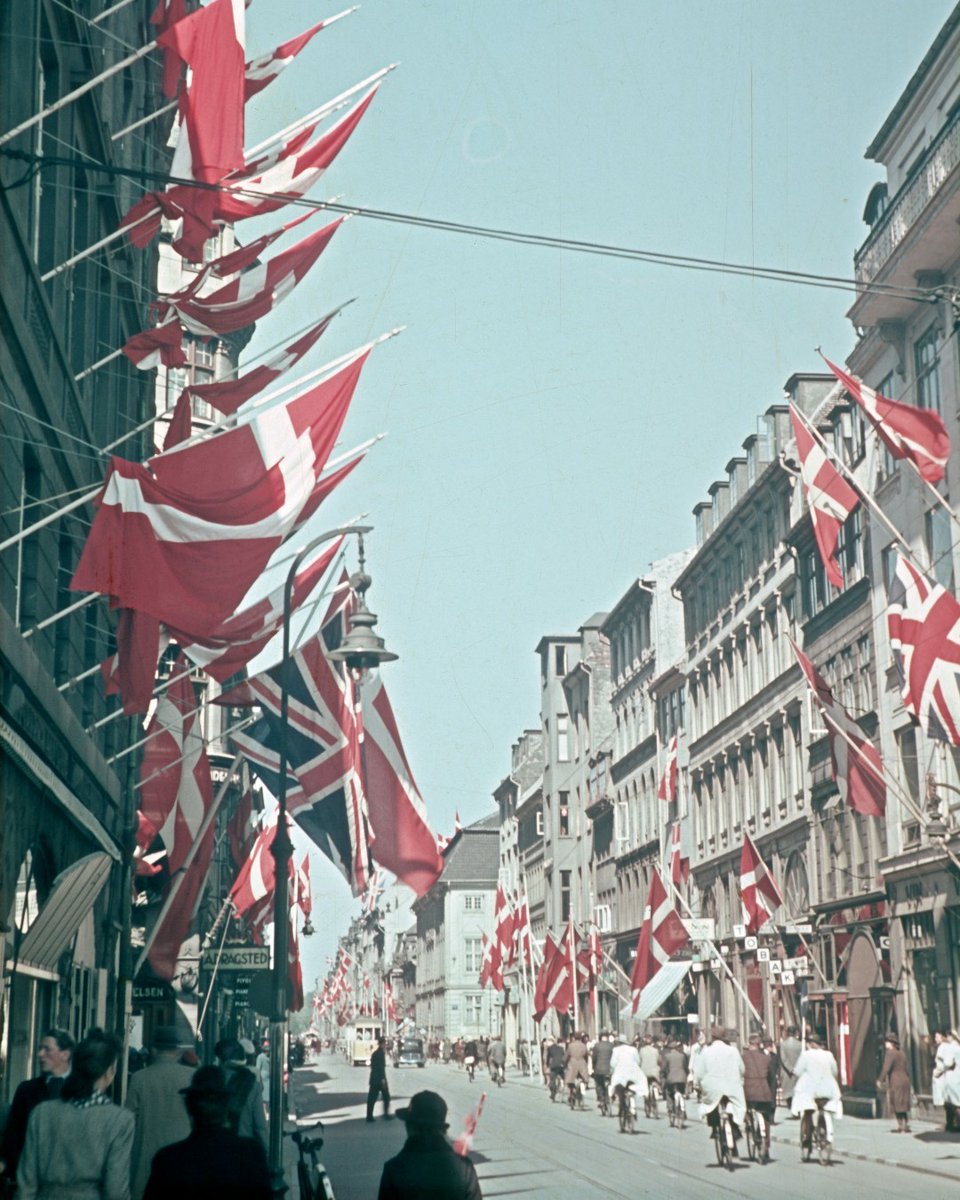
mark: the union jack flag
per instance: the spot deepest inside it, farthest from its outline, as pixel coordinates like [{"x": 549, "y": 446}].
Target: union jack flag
[{"x": 923, "y": 622}]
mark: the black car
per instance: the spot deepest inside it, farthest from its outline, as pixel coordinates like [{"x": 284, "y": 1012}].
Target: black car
[{"x": 409, "y": 1053}]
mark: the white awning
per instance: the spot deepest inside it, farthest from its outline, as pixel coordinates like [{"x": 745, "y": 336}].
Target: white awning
[
  {"x": 660, "y": 988},
  {"x": 71, "y": 898}
]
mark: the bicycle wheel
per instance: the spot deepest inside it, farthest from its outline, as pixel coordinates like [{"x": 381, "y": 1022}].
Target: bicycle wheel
[
  {"x": 671, "y": 1112},
  {"x": 720, "y": 1146},
  {"x": 624, "y": 1115},
  {"x": 306, "y": 1183},
  {"x": 824, "y": 1149}
]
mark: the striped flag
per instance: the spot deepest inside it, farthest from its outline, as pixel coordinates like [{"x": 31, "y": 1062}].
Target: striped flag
[
  {"x": 759, "y": 893},
  {"x": 661, "y": 936},
  {"x": 830, "y": 498}
]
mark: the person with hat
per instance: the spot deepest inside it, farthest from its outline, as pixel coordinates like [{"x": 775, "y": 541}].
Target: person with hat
[
  {"x": 245, "y": 1104},
  {"x": 212, "y": 1160},
  {"x": 760, "y": 1086},
  {"x": 428, "y": 1167},
  {"x": 153, "y": 1096},
  {"x": 719, "y": 1072},
  {"x": 816, "y": 1077},
  {"x": 895, "y": 1077},
  {"x": 378, "y": 1081}
]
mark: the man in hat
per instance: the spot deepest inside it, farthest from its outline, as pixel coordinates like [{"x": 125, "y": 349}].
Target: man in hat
[
  {"x": 760, "y": 1085},
  {"x": 718, "y": 1073},
  {"x": 245, "y": 1106},
  {"x": 212, "y": 1160},
  {"x": 428, "y": 1168},
  {"x": 378, "y": 1081},
  {"x": 788, "y": 1053},
  {"x": 154, "y": 1099}
]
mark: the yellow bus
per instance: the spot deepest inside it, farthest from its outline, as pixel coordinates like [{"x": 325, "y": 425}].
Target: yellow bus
[{"x": 361, "y": 1039}]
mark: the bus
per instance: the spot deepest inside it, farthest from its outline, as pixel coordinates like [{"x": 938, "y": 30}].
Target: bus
[{"x": 361, "y": 1039}]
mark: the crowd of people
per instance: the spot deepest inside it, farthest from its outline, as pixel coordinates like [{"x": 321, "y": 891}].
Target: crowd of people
[{"x": 185, "y": 1130}]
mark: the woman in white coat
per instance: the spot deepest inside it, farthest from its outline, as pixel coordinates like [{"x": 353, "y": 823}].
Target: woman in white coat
[
  {"x": 719, "y": 1072},
  {"x": 625, "y": 1069},
  {"x": 817, "y": 1078},
  {"x": 946, "y": 1077}
]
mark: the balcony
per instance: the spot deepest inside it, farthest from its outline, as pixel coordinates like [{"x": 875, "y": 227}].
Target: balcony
[{"x": 917, "y": 232}]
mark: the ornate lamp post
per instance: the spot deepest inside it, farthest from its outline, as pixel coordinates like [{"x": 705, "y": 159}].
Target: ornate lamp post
[{"x": 360, "y": 650}]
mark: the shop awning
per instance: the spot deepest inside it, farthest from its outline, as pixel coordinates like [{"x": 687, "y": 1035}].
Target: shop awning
[
  {"x": 660, "y": 988},
  {"x": 71, "y": 898}
]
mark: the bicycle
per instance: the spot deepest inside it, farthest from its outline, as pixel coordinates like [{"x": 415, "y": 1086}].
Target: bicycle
[
  {"x": 471, "y": 1065},
  {"x": 755, "y": 1129},
  {"x": 676, "y": 1106},
  {"x": 650, "y": 1100},
  {"x": 626, "y": 1109},
  {"x": 498, "y": 1074},
  {"x": 603, "y": 1096},
  {"x": 817, "y": 1133},
  {"x": 724, "y": 1141},
  {"x": 575, "y": 1095},
  {"x": 312, "y": 1178},
  {"x": 554, "y": 1086}
]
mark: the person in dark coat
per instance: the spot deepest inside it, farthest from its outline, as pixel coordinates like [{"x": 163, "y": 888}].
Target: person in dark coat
[
  {"x": 212, "y": 1161},
  {"x": 53, "y": 1055},
  {"x": 760, "y": 1084},
  {"x": 895, "y": 1076},
  {"x": 428, "y": 1167},
  {"x": 378, "y": 1081}
]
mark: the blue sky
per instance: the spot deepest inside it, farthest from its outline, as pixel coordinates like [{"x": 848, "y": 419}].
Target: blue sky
[{"x": 553, "y": 417}]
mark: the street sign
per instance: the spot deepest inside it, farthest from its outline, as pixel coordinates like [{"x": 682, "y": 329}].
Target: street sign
[
  {"x": 700, "y": 929},
  {"x": 804, "y": 929},
  {"x": 799, "y": 964},
  {"x": 750, "y": 943},
  {"x": 236, "y": 958}
]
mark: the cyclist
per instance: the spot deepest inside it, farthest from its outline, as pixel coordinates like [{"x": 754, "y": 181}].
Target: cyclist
[
  {"x": 719, "y": 1073},
  {"x": 470, "y": 1057},
  {"x": 602, "y": 1054},
  {"x": 556, "y": 1063},
  {"x": 673, "y": 1073},
  {"x": 760, "y": 1085},
  {"x": 496, "y": 1059},
  {"x": 625, "y": 1070},
  {"x": 816, "y": 1077},
  {"x": 576, "y": 1061},
  {"x": 650, "y": 1065}
]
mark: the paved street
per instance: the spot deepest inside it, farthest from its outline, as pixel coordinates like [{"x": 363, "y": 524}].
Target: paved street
[{"x": 526, "y": 1146}]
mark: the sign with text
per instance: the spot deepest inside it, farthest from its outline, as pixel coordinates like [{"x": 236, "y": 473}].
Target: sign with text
[
  {"x": 700, "y": 929},
  {"x": 750, "y": 943},
  {"x": 787, "y": 977},
  {"x": 763, "y": 954},
  {"x": 804, "y": 929},
  {"x": 739, "y": 931},
  {"x": 236, "y": 958}
]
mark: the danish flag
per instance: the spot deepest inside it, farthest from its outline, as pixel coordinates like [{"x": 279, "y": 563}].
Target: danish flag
[
  {"x": 679, "y": 866},
  {"x": 830, "y": 498},
  {"x": 262, "y": 71},
  {"x": 662, "y": 934},
  {"x": 668, "y": 780},
  {"x": 503, "y": 929},
  {"x": 759, "y": 893},
  {"x": 917, "y": 434}
]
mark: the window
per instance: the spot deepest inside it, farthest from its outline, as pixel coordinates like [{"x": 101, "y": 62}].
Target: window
[
  {"x": 560, "y": 660},
  {"x": 939, "y": 546},
  {"x": 473, "y": 1008},
  {"x": 887, "y": 464},
  {"x": 907, "y": 751},
  {"x": 473, "y": 903},
  {"x": 563, "y": 737},
  {"x": 563, "y": 810},
  {"x": 472, "y": 955},
  {"x": 926, "y": 352},
  {"x": 564, "y": 896}
]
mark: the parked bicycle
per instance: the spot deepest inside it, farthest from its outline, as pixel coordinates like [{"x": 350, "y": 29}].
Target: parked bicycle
[{"x": 312, "y": 1178}]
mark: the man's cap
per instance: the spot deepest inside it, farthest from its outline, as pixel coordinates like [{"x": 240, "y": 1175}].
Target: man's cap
[
  {"x": 754, "y": 1039},
  {"x": 207, "y": 1081},
  {"x": 426, "y": 1109},
  {"x": 813, "y": 1038},
  {"x": 718, "y": 1033},
  {"x": 165, "y": 1037}
]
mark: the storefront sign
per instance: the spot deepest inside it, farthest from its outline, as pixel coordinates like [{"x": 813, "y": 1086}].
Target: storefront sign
[
  {"x": 776, "y": 966},
  {"x": 152, "y": 993},
  {"x": 236, "y": 958},
  {"x": 803, "y": 929},
  {"x": 763, "y": 954},
  {"x": 739, "y": 931},
  {"x": 786, "y": 977},
  {"x": 750, "y": 943},
  {"x": 700, "y": 929}
]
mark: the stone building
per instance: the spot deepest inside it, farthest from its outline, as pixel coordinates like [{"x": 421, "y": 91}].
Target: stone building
[
  {"x": 452, "y": 918},
  {"x": 67, "y": 813},
  {"x": 907, "y": 350}
]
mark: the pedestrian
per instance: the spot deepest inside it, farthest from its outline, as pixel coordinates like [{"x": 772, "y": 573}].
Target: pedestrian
[
  {"x": 154, "y": 1099},
  {"x": 428, "y": 1168},
  {"x": 895, "y": 1077},
  {"x": 576, "y": 1061},
  {"x": 53, "y": 1057},
  {"x": 946, "y": 1078},
  {"x": 378, "y": 1081},
  {"x": 262, "y": 1068},
  {"x": 244, "y": 1093},
  {"x": 212, "y": 1161},
  {"x": 788, "y": 1053},
  {"x": 78, "y": 1147}
]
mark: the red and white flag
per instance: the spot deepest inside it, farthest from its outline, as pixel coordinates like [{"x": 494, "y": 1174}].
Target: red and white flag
[
  {"x": 549, "y": 968},
  {"x": 145, "y": 863},
  {"x": 522, "y": 933},
  {"x": 857, "y": 766},
  {"x": 161, "y": 345},
  {"x": 242, "y": 829},
  {"x": 294, "y": 969},
  {"x": 262, "y": 71},
  {"x": 174, "y": 929},
  {"x": 759, "y": 893},
  {"x": 304, "y": 891},
  {"x": 175, "y": 788},
  {"x": 166, "y": 14},
  {"x": 661, "y": 936},
  {"x": 442, "y": 841},
  {"x": 503, "y": 927},
  {"x": 242, "y": 301},
  {"x": 185, "y": 535},
  {"x": 668, "y": 780},
  {"x": 486, "y": 960},
  {"x": 917, "y": 434},
  {"x": 830, "y": 498},
  {"x": 256, "y": 878},
  {"x": 463, "y": 1143},
  {"x": 679, "y": 865},
  {"x": 923, "y": 623},
  {"x": 403, "y": 841}
]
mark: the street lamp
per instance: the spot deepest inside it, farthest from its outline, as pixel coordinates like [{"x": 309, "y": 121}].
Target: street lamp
[{"x": 361, "y": 649}]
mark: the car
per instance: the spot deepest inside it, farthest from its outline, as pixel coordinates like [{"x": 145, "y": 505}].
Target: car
[{"x": 409, "y": 1053}]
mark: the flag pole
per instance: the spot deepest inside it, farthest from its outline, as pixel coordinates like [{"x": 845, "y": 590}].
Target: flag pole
[
  {"x": 108, "y": 12},
  {"x": 206, "y": 742},
  {"x": 77, "y": 92},
  {"x": 178, "y": 879},
  {"x": 115, "y": 137},
  {"x": 104, "y": 241}
]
